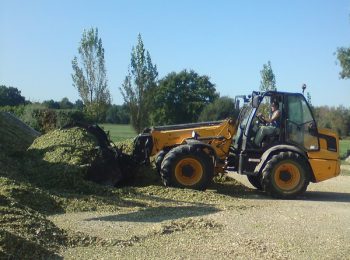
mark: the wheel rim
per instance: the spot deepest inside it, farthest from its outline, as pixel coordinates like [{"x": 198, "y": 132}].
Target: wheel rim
[
  {"x": 287, "y": 176},
  {"x": 188, "y": 171}
]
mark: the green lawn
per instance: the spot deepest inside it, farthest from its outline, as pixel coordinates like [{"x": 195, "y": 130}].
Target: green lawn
[
  {"x": 119, "y": 132},
  {"x": 344, "y": 146}
]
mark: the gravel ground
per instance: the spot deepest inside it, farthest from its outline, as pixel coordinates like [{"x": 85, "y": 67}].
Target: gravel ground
[{"x": 250, "y": 226}]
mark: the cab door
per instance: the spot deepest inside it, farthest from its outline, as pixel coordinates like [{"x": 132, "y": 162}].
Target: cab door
[
  {"x": 321, "y": 145},
  {"x": 301, "y": 129}
]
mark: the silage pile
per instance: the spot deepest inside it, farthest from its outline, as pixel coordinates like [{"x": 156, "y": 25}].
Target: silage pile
[
  {"x": 24, "y": 230},
  {"x": 41, "y": 178},
  {"x": 60, "y": 159},
  {"x": 45, "y": 175},
  {"x": 48, "y": 176}
]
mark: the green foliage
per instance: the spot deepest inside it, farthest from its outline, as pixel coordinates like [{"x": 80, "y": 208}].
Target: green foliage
[
  {"x": 221, "y": 108},
  {"x": 89, "y": 75},
  {"x": 139, "y": 86},
  {"x": 343, "y": 55},
  {"x": 43, "y": 119},
  {"x": 337, "y": 119},
  {"x": 51, "y": 104},
  {"x": 31, "y": 115},
  {"x": 66, "y": 104},
  {"x": 181, "y": 97},
  {"x": 15, "y": 110},
  {"x": 118, "y": 115},
  {"x": 268, "y": 81},
  {"x": 10, "y": 96},
  {"x": 308, "y": 98}
]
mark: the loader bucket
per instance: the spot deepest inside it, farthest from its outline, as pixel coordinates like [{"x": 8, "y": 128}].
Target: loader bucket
[{"x": 111, "y": 166}]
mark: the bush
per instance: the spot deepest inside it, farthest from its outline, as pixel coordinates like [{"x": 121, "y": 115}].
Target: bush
[
  {"x": 69, "y": 116},
  {"x": 30, "y": 115},
  {"x": 15, "y": 110},
  {"x": 44, "y": 119}
]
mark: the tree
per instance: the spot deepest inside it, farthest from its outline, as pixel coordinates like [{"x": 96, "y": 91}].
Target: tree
[
  {"x": 10, "y": 96},
  {"x": 337, "y": 119},
  {"x": 79, "y": 105},
  {"x": 66, "y": 104},
  {"x": 117, "y": 114},
  {"x": 89, "y": 75},
  {"x": 139, "y": 85},
  {"x": 181, "y": 97},
  {"x": 343, "y": 55},
  {"x": 268, "y": 81},
  {"x": 51, "y": 104},
  {"x": 221, "y": 108}
]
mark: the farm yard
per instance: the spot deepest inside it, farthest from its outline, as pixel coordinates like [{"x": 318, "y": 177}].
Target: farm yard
[
  {"x": 174, "y": 130},
  {"x": 71, "y": 218}
]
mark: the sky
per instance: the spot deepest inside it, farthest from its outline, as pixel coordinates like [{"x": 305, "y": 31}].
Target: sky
[{"x": 229, "y": 41}]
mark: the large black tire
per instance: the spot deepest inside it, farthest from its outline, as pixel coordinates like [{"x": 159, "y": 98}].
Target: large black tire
[
  {"x": 255, "y": 181},
  {"x": 159, "y": 160},
  {"x": 286, "y": 175},
  {"x": 186, "y": 166}
]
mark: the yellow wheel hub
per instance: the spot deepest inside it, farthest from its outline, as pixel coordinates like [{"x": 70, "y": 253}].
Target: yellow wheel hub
[
  {"x": 188, "y": 171},
  {"x": 287, "y": 176}
]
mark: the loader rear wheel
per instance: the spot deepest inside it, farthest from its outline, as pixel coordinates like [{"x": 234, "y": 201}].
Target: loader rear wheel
[
  {"x": 285, "y": 175},
  {"x": 255, "y": 181},
  {"x": 186, "y": 167},
  {"x": 159, "y": 160}
]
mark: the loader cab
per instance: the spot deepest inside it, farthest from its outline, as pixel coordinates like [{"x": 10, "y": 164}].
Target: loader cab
[{"x": 296, "y": 127}]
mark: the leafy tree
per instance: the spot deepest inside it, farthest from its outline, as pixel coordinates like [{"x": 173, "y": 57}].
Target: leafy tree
[
  {"x": 181, "y": 97},
  {"x": 51, "y": 104},
  {"x": 79, "y": 105},
  {"x": 139, "y": 86},
  {"x": 268, "y": 81},
  {"x": 117, "y": 114},
  {"x": 308, "y": 98},
  {"x": 89, "y": 75},
  {"x": 221, "y": 108},
  {"x": 343, "y": 55},
  {"x": 336, "y": 118},
  {"x": 66, "y": 104},
  {"x": 10, "y": 96}
]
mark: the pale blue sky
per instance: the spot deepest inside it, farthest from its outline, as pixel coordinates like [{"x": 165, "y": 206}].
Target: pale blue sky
[{"x": 227, "y": 40}]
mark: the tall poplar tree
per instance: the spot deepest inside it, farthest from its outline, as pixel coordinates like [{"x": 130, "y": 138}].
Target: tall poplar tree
[
  {"x": 139, "y": 85},
  {"x": 90, "y": 77},
  {"x": 268, "y": 80}
]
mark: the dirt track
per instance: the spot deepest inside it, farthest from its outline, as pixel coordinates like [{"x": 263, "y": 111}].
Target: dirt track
[{"x": 249, "y": 226}]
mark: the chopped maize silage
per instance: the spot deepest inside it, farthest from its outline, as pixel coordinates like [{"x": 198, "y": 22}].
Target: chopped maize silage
[
  {"x": 24, "y": 231},
  {"x": 48, "y": 178}
]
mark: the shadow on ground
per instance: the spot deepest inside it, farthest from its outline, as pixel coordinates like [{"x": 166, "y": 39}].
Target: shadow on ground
[
  {"x": 159, "y": 214},
  {"x": 326, "y": 196}
]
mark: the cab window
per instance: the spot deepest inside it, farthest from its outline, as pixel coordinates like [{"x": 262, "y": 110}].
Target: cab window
[{"x": 300, "y": 123}]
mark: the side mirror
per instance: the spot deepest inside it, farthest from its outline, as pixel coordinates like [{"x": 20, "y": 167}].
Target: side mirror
[{"x": 312, "y": 129}]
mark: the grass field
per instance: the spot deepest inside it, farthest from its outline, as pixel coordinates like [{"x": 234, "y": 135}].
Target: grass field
[
  {"x": 344, "y": 146},
  {"x": 119, "y": 133}
]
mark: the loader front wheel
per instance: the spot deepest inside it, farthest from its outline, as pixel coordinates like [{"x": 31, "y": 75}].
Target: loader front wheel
[
  {"x": 187, "y": 167},
  {"x": 255, "y": 181},
  {"x": 285, "y": 175}
]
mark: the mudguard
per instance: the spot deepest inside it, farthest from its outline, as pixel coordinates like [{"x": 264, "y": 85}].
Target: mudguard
[{"x": 274, "y": 150}]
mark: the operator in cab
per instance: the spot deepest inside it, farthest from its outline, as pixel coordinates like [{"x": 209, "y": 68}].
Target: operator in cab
[{"x": 272, "y": 124}]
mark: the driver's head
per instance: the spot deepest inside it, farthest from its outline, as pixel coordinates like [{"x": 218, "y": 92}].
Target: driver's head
[{"x": 274, "y": 105}]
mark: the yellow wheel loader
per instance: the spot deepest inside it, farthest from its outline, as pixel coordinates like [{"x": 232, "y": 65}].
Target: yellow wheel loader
[{"x": 298, "y": 152}]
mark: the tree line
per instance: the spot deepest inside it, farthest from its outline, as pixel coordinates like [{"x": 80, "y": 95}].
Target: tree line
[{"x": 178, "y": 97}]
